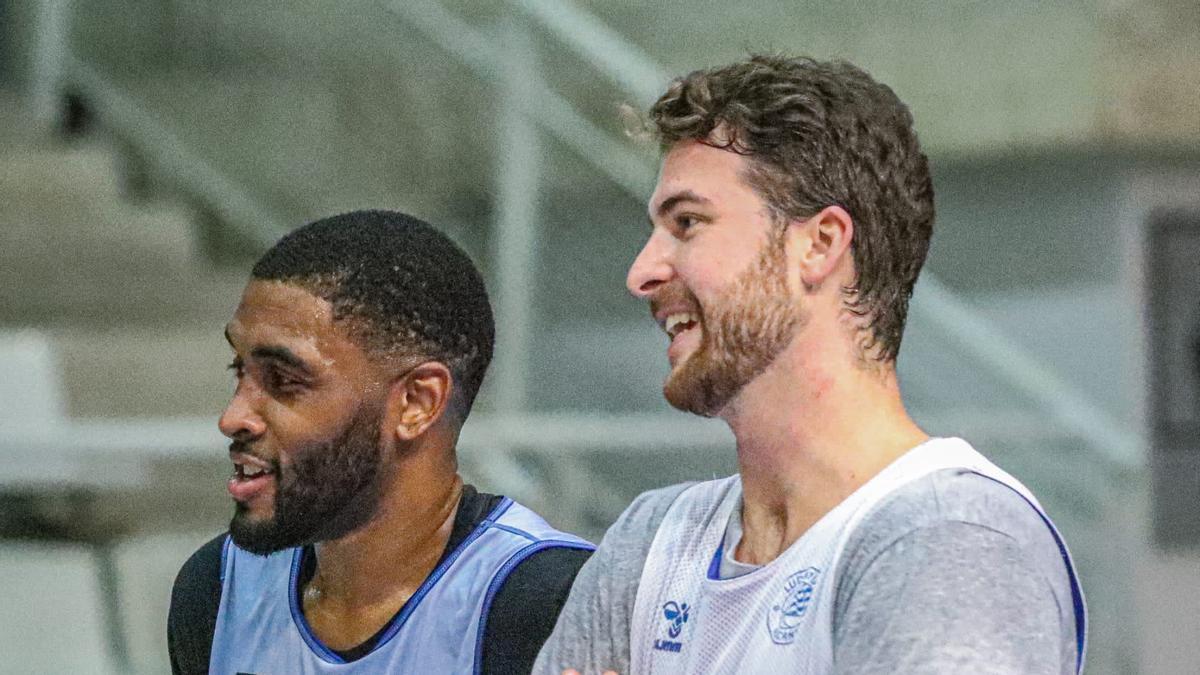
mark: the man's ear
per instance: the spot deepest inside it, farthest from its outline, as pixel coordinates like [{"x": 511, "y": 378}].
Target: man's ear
[
  {"x": 419, "y": 399},
  {"x": 820, "y": 243}
]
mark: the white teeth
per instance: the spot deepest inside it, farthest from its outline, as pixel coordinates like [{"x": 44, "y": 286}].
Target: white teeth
[
  {"x": 675, "y": 321},
  {"x": 252, "y": 471}
]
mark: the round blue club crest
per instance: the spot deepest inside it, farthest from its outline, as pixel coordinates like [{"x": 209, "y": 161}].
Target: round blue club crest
[{"x": 783, "y": 618}]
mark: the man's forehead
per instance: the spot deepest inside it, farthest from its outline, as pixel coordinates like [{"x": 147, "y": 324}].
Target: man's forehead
[
  {"x": 278, "y": 311},
  {"x": 694, "y": 172},
  {"x": 668, "y": 201}
]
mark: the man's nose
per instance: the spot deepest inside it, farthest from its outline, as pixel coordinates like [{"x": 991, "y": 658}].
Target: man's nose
[
  {"x": 652, "y": 267},
  {"x": 240, "y": 421}
]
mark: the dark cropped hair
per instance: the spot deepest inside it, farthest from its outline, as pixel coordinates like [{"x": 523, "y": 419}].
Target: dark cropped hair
[
  {"x": 820, "y": 134},
  {"x": 400, "y": 286}
]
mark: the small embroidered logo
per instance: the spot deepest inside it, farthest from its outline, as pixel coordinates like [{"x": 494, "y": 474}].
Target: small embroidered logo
[
  {"x": 676, "y": 615},
  {"x": 783, "y": 619}
]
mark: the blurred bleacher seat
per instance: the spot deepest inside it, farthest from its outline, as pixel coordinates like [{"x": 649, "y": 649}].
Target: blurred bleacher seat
[{"x": 53, "y": 619}]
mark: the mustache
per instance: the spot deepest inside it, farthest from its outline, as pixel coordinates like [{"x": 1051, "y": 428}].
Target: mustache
[
  {"x": 672, "y": 295},
  {"x": 243, "y": 448}
]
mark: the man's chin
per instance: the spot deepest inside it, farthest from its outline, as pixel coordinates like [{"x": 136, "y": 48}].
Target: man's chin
[
  {"x": 261, "y": 536},
  {"x": 686, "y": 390}
]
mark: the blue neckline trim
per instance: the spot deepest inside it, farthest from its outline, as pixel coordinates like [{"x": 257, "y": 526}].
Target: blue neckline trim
[
  {"x": 397, "y": 621},
  {"x": 714, "y": 567},
  {"x": 311, "y": 640},
  {"x": 225, "y": 556},
  {"x": 502, "y": 576}
]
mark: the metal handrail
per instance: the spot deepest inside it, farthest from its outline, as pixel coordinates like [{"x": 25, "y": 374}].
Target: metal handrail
[
  {"x": 160, "y": 147},
  {"x": 983, "y": 340},
  {"x": 635, "y": 71},
  {"x": 547, "y": 108},
  {"x": 628, "y": 66}
]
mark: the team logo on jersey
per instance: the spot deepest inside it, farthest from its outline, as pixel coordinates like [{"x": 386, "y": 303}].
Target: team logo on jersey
[
  {"x": 783, "y": 619},
  {"x": 676, "y": 614}
]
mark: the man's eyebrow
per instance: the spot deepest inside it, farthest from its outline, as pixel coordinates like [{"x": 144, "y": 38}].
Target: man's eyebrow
[
  {"x": 666, "y": 205},
  {"x": 281, "y": 354}
]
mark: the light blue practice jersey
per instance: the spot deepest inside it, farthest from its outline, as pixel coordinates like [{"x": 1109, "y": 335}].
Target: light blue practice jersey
[{"x": 261, "y": 629}]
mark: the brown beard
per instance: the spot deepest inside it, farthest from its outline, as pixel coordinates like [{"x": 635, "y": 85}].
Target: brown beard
[{"x": 744, "y": 329}]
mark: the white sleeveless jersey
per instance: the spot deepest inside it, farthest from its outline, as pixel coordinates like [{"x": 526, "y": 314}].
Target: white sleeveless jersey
[
  {"x": 778, "y": 618},
  {"x": 262, "y": 631}
]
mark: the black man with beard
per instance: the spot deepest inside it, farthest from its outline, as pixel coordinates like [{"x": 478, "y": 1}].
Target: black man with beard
[{"x": 358, "y": 347}]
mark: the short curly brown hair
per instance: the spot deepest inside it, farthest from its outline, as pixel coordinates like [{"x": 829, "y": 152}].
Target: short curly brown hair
[{"x": 818, "y": 134}]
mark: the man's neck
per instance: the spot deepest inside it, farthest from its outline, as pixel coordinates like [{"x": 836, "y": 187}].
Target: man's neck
[
  {"x": 363, "y": 579},
  {"x": 808, "y": 435}
]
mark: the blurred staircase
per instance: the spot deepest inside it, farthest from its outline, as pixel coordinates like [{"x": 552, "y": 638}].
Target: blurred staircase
[
  {"x": 117, "y": 284},
  {"x": 132, "y": 313}
]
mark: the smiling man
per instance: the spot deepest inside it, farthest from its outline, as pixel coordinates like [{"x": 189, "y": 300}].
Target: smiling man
[
  {"x": 358, "y": 348},
  {"x": 792, "y": 215}
]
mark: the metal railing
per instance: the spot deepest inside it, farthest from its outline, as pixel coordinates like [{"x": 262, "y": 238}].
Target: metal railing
[
  {"x": 636, "y": 72},
  {"x": 504, "y": 58},
  {"x": 156, "y": 145}
]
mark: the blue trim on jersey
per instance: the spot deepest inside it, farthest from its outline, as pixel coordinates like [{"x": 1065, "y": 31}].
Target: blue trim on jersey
[
  {"x": 714, "y": 573},
  {"x": 1076, "y": 593},
  {"x": 502, "y": 576},
  {"x": 714, "y": 567},
  {"x": 409, "y": 607},
  {"x": 298, "y": 616},
  {"x": 515, "y": 530},
  {"x": 225, "y": 556}
]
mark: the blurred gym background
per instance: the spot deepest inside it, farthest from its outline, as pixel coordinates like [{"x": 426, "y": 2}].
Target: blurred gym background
[{"x": 151, "y": 149}]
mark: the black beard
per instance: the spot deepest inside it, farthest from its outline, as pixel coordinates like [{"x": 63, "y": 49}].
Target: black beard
[{"x": 329, "y": 490}]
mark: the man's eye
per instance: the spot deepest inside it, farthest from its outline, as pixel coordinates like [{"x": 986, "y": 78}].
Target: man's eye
[
  {"x": 281, "y": 382},
  {"x": 236, "y": 367},
  {"x": 686, "y": 221}
]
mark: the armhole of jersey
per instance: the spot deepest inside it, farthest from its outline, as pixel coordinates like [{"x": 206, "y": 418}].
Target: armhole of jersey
[
  {"x": 1080, "y": 608},
  {"x": 502, "y": 575}
]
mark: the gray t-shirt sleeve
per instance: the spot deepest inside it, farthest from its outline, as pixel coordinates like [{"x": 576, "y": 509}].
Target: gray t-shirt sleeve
[
  {"x": 592, "y": 633},
  {"x": 953, "y": 573},
  {"x": 957, "y": 574}
]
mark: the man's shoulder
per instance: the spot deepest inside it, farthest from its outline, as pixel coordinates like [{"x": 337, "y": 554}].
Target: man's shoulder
[
  {"x": 658, "y": 500},
  {"x": 641, "y": 519},
  {"x": 625, "y": 545},
  {"x": 593, "y": 632},
  {"x": 526, "y": 606},
  {"x": 954, "y": 553},
  {"x": 942, "y": 508},
  {"x": 195, "y": 601},
  {"x": 954, "y": 495},
  {"x": 203, "y": 567}
]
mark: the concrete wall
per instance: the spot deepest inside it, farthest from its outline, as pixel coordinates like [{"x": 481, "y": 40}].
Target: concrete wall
[{"x": 980, "y": 77}]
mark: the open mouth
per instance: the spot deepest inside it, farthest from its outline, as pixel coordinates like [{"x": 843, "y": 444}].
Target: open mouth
[
  {"x": 249, "y": 479},
  {"x": 684, "y": 330},
  {"x": 678, "y": 323}
]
